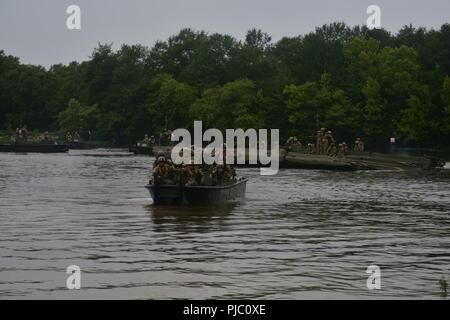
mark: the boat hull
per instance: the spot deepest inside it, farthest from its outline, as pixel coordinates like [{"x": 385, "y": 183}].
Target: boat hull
[
  {"x": 141, "y": 150},
  {"x": 78, "y": 145},
  {"x": 308, "y": 161},
  {"x": 34, "y": 148},
  {"x": 360, "y": 161},
  {"x": 197, "y": 195}
]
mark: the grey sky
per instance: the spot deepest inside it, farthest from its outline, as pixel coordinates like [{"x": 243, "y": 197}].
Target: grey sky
[{"x": 36, "y": 30}]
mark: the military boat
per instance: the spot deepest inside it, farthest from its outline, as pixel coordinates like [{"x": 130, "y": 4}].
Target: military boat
[
  {"x": 141, "y": 149},
  {"x": 87, "y": 145},
  {"x": 197, "y": 195},
  {"x": 34, "y": 148},
  {"x": 360, "y": 161}
]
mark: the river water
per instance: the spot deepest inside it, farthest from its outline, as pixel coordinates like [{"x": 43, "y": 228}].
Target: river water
[{"x": 298, "y": 235}]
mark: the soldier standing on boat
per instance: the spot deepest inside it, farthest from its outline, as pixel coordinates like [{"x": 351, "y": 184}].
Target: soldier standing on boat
[
  {"x": 332, "y": 150},
  {"x": 146, "y": 140},
  {"x": 23, "y": 133},
  {"x": 291, "y": 142},
  {"x": 341, "y": 150},
  {"x": 17, "y": 136},
  {"x": 319, "y": 138},
  {"x": 325, "y": 144},
  {"x": 359, "y": 145},
  {"x": 164, "y": 171}
]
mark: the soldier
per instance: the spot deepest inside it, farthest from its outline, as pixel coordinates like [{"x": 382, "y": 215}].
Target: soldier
[
  {"x": 345, "y": 148},
  {"x": 341, "y": 152},
  {"x": 152, "y": 140},
  {"x": 324, "y": 145},
  {"x": 332, "y": 150},
  {"x": 309, "y": 148},
  {"x": 165, "y": 172},
  {"x": 356, "y": 147},
  {"x": 189, "y": 174},
  {"x": 330, "y": 137},
  {"x": 24, "y": 133},
  {"x": 17, "y": 136},
  {"x": 69, "y": 138},
  {"x": 160, "y": 157},
  {"x": 207, "y": 175},
  {"x": 361, "y": 145},
  {"x": 319, "y": 137},
  {"x": 146, "y": 140},
  {"x": 173, "y": 174},
  {"x": 46, "y": 138},
  {"x": 159, "y": 167}
]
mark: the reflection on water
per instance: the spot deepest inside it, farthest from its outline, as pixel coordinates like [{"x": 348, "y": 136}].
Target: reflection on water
[
  {"x": 189, "y": 218},
  {"x": 300, "y": 234}
]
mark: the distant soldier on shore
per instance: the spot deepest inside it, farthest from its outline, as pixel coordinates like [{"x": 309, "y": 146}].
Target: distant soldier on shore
[{"x": 359, "y": 145}]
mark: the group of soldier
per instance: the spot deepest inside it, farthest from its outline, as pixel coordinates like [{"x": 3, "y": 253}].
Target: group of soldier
[
  {"x": 165, "y": 172},
  {"x": 148, "y": 141},
  {"x": 46, "y": 138},
  {"x": 21, "y": 136},
  {"x": 72, "y": 136},
  {"x": 165, "y": 138},
  {"x": 325, "y": 145}
]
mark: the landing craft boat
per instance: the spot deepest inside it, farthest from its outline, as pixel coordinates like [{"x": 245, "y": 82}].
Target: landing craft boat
[
  {"x": 360, "y": 161},
  {"x": 197, "y": 195},
  {"x": 34, "y": 148},
  {"x": 87, "y": 145},
  {"x": 401, "y": 161},
  {"x": 143, "y": 149}
]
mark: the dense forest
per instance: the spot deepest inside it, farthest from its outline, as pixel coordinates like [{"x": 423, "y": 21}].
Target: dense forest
[{"x": 355, "y": 81}]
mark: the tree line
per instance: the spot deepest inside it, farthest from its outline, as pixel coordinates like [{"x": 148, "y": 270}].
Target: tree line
[{"x": 357, "y": 82}]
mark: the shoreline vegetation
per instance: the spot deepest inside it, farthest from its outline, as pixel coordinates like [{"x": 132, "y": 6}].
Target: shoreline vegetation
[{"x": 357, "y": 82}]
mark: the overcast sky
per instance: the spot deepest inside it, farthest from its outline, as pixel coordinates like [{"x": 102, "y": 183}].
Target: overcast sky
[{"x": 35, "y": 30}]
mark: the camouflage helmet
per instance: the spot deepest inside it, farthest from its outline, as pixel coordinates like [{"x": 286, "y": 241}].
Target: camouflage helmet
[{"x": 160, "y": 154}]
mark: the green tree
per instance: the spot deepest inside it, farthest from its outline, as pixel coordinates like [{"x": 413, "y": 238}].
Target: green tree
[
  {"x": 235, "y": 105},
  {"x": 170, "y": 105},
  {"x": 77, "y": 117}
]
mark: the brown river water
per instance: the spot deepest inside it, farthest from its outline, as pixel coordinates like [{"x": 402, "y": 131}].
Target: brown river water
[{"x": 298, "y": 235}]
